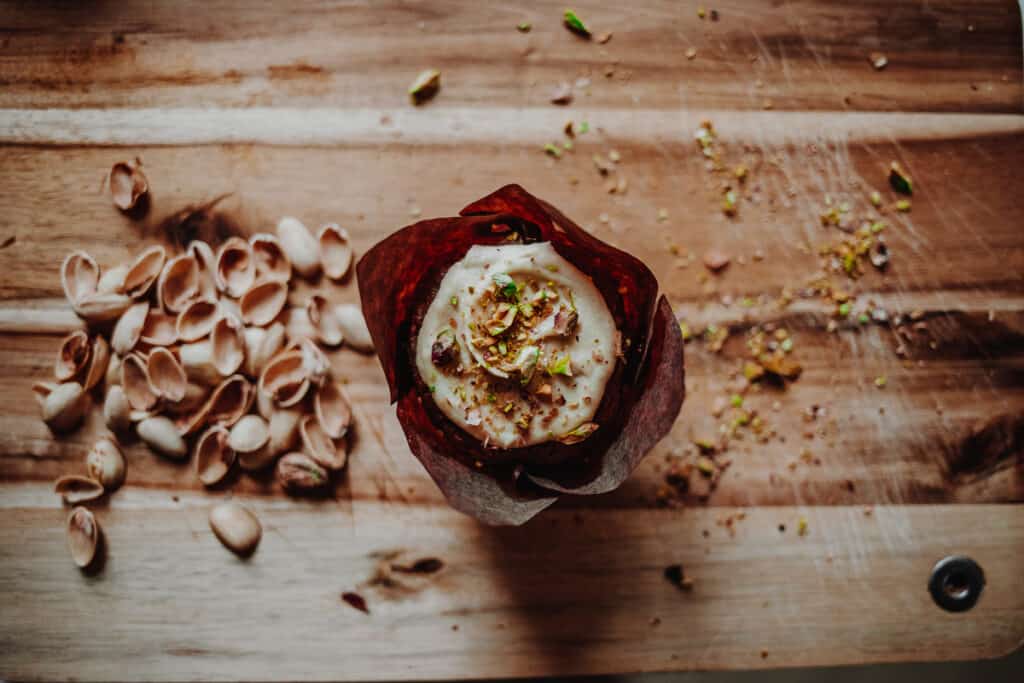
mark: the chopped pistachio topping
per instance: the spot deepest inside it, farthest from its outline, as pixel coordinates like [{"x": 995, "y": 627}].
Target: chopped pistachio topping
[
  {"x": 524, "y": 27},
  {"x": 562, "y": 365},
  {"x": 507, "y": 287},
  {"x": 575, "y": 24},
  {"x": 579, "y": 433}
]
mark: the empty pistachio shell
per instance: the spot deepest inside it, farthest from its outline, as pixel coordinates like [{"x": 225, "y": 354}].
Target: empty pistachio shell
[
  {"x": 99, "y": 360},
  {"x": 328, "y": 331},
  {"x": 72, "y": 356},
  {"x": 63, "y": 405},
  {"x": 178, "y": 283},
  {"x": 160, "y": 329},
  {"x": 230, "y": 401},
  {"x": 197, "y": 320},
  {"x": 79, "y": 276},
  {"x": 335, "y": 251},
  {"x": 105, "y": 463},
  {"x": 299, "y": 473},
  {"x": 161, "y": 435},
  {"x": 206, "y": 263},
  {"x": 101, "y": 308},
  {"x": 128, "y": 329},
  {"x": 319, "y": 446},
  {"x": 250, "y": 433},
  {"x": 83, "y": 536},
  {"x": 300, "y": 246},
  {"x": 75, "y": 489},
  {"x": 196, "y": 395},
  {"x": 197, "y": 361},
  {"x": 314, "y": 362},
  {"x": 117, "y": 410},
  {"x": 112, "y": 280},
  {"x": 214, "y": 457},
  {"x": 144, "y": 271},
  {"x": 135, "y": 380},
  {"x": 263, "y": 302},
  {"x": 236, "y": 269},
  {"x": 128, "y": 184},
  {"x": 229, "y": 306},
  {"x": 227, "y": 345},
  {"x": 271, "y": 261},
  {"x": 353, "y": 326},
  {"x": 265, "y": 405},
  {"x": 284, "y": 379},
  {"x": 332, "y": 409},
  {"x": 166, "y": 376},
  {"x": 235, "y": 527}
]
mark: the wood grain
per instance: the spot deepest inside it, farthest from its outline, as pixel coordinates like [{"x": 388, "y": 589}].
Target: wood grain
[
  {"x": 557, "y": 597},
  {"x": 301, "y": 110}
]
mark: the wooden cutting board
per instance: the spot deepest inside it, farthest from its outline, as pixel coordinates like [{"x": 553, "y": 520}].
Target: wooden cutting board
[{"x": 303, "y": 111}]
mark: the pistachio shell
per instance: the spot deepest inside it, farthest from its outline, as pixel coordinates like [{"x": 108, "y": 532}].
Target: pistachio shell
[
  {"x": 99, "y": 361},
  {"x": 284, "y": 379},
  {"x": 206, "y": 263},
  {"x": 332, "y": 409},
  {"x": 214, "y": 457},
  {"x": 166, "y": 376},
  {"x": 197, "y": 320},
  {"x": 42, "y": 390},
  {"x": 73, "y": 356},
  {"x": 64, "y": 405},
  {"x": 128, "y": 329},
  {"x": 319, "y": 446},
  {"x": 196, "y": 395},
  {"x": 227, "y": 345},
  {"x": 265, "y": 405},
  {"x": 113, "y": 375},
  {"x": 144, "y": 271},
  {"x": 353, "y": 327},
  {"x": 112, "y": 280},
  {"x": 117, "y": 410},
  {"x": 83, "y": 536},
  {"x": 271, "y": 343},
  {"x": 135, "y": 380},
  {"x": 299, "y": 473},
  {"x": 197, "y": 361},
  {"x": 236, "y": 268},
  {"x": 161, "y": 435},
  {"x": 160, "y": 329},
  {"x": 314, "y": 362},
  {"x": 229, "y": 306},
  {"x": 101, "y": 308},
  {"x": 178, "y": 283},
  {"x": 335, "y": 251},
  {"x": 284, "y": 430},
  {"x": 105, "y": 463},
  {"x": 249, "y": 434},
  {"x": 328, "y": 331},
  {"x": 263, "y": 302},
  {"x": 75, "y": 489},
  {"x": 300, "y": 246},
  {"x": 128, "y": 184},
  {"x": 230, "y": 401},
  {"x": 79, "y": 276},
  {"x": 271, "y": 261},
  {"x": 236, "y": 528}
]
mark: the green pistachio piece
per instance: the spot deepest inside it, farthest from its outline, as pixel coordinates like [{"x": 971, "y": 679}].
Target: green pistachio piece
[
  {"x": 503, "y": 319},
  {"x": 579, "y": 434},
  {"x": 899, "y": 180},
  {"x": 575, "y": 24},
  {"x": 425, "y": 86}
]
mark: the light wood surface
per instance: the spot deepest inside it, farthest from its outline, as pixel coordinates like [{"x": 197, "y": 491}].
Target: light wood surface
[{"x": 302, "y": 111}]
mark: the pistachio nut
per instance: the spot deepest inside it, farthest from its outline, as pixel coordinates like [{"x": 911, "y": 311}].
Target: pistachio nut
[
  {"x": 117, "y": 410},
  {"x": 300, "y": 246},
  {"x": 63, "y": 405},
  {"x": 161, "y": 435},
  {"x": 353, "y": 327},
  {"x": 299, "y": 473},
  {"x": 235, "y": 527},
  {"x": 335, "y": 250},
  {"x": 106, "y": 464}
]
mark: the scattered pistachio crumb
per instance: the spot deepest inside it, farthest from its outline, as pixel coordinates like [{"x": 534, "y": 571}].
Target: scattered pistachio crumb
[
  {"x": 575, "y": 24},
  {"x": 801, "y": 526},
  {"x": 691, "y": 52},
  {"x": 736, "y": 401},
  {"x": 903, "y": 205},
  {"x": 881, "y": 381},
  {"x": 553, "y": 150},
  {"x": 876, "y": 198},
  {"x": 524, "y": 27}
]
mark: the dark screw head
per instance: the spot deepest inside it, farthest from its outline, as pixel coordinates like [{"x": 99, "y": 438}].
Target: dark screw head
[{"x": 956, "y": 583}]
